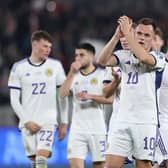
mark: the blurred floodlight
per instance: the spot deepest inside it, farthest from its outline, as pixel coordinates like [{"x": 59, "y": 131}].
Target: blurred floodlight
[{"x": 38, "y": 4}]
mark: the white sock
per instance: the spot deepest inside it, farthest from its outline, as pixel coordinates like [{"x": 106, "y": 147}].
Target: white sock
[
  {"x": 33, "y": 164},
  {"x": 41, "y": 162}
]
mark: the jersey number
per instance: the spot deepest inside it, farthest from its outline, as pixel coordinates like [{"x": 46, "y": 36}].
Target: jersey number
[
  {"x": 39, "y": 88},
  {"x": 132, "y": 78},
  {"x": 46, "y": 135},
  {"x": 149, "y": 143}
]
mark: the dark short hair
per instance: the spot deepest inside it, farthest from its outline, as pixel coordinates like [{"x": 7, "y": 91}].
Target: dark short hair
[
  {"x": 87, "y": 46},
  {"x": 134, "y": 25},
  {"x": 41, "y": 34},
  {"x": 148, "y": 21}
]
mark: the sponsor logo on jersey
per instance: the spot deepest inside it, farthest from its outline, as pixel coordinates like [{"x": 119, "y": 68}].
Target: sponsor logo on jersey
[
  {"x": 128, "y": 62},
  {"x": 27, "y": 74},
  {"x": 93, "y": 81},
  {"x": 49, "y": 72}
]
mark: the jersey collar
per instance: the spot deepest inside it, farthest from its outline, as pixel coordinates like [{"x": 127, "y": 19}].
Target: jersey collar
[{"x": 35, "y": 64}]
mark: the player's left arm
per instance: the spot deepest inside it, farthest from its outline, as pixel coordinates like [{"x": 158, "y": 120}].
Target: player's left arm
[
  {"x": 63, "y": 106},
  {"x": 62, "y": 103}
]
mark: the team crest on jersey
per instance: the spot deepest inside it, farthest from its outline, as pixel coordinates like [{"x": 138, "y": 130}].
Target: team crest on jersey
[
  {"x": 93, "y": 81},
  {"x": 49, "y": 72}
]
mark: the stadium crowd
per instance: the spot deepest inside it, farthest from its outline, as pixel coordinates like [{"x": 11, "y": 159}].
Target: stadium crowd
[{"x": 68, "y": 22}]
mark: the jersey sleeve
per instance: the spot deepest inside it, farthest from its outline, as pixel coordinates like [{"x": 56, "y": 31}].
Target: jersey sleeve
[
  {"x": 108, "y": 76},
  {"x": 63, "y": 104},
  {"x": 16, "y": 105},
  {"x": 160, "y": 60},
  {"x": 121, "y": 56},
  {"x": 60, "y": 75},
  {"x": 14, "y": 80}
]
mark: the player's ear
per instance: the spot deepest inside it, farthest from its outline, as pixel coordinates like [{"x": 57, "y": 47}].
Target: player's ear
[{"x": 34, "y": 43}]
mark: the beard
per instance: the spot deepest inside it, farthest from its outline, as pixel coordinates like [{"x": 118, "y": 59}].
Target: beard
[{"x": 84, "y": 66}]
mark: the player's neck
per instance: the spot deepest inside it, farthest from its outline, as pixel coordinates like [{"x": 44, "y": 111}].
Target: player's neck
[
  {"x": 88, "y": 69},
  {"x": 35, "y": 60}
]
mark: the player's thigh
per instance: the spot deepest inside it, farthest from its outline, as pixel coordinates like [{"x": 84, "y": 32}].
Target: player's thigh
[
  {"x": 143, "y": 164},
  {"x": 144, "y": 139},
  {"x": 76, "y": 163},
  {"x": 45, "y": 139},
  {"x": 99, "y": 164},
  {"x": 97, "y": 146},
  {"x": 29, "y": 142},
  {"x": 114, "y": 161},
  {"x": 77, "y": 145},
  {"x": 119, "y": 140}
]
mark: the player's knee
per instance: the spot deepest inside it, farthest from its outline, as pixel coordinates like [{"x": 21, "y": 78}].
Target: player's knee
[
  {"x": 76, "y": 163},
  {"x": 114, "y": 163},
  {"x": 111, "y": 165},
  {"x": 99, "y": 164},
  {"x": 143, "y": 164},
  {"x": 44, "y": 153}
]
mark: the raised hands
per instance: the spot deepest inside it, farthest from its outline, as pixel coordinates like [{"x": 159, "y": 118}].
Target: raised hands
[
  {"x": 75, "y": 66},
  {"x": 125, "y": 24}
]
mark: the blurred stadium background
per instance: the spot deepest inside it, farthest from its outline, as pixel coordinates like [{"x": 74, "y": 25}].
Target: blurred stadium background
[{"x": 69, "y": 22}]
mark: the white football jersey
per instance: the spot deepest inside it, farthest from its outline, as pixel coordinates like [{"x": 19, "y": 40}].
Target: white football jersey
[
  {"x": 138, "y": 88},
  {"x": 163, "y": 97},
  {"x": 88, "y": 116},
  {"x": 37, "y": 85}
]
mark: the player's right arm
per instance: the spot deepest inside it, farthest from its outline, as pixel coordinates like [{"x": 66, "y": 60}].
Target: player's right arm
[
  {"x": 15, "y": 97},
  {"x": 64, "y": 90},
  {"x": 15, "y": 87},
  {"x": 17, "y": 107},
  {"x": 106, "y": 58}
]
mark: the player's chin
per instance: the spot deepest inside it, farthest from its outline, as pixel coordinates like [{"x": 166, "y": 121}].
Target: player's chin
[
  {"x": 45, "y": 57},
  {"x": 83, "y": 67},
  {"x": 126, "y": 47}
]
